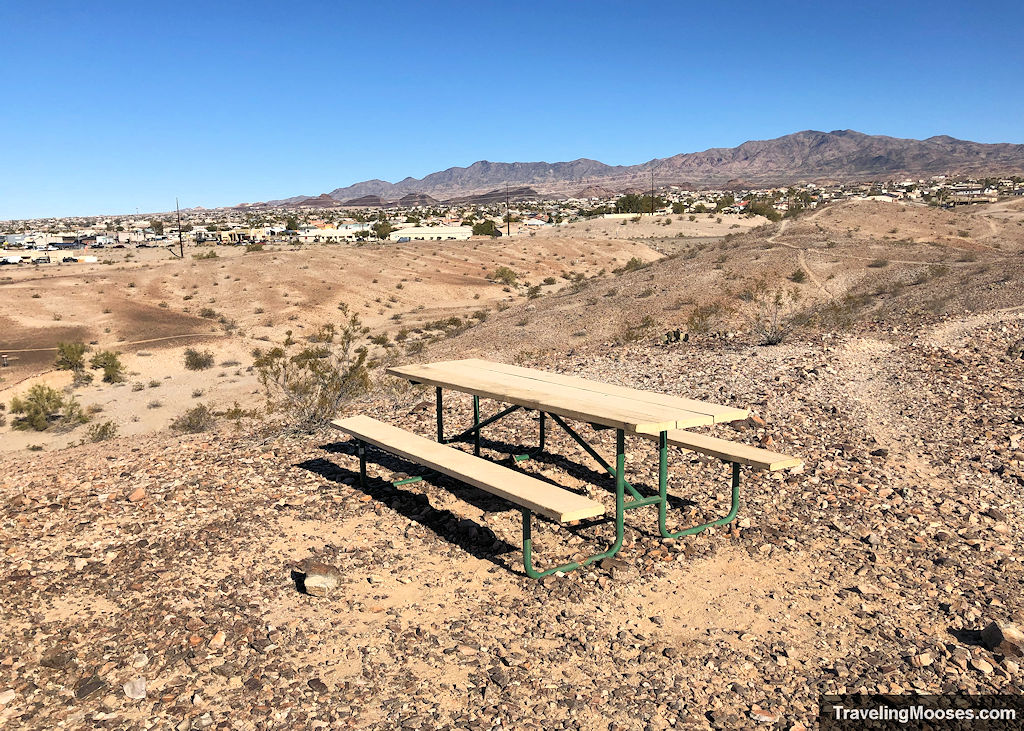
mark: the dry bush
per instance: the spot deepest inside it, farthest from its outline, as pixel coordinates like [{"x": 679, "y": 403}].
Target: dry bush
[
  {"x": 772, "y": 314},
  {"x": 312, "y": 384},
  {"x": 198, "y": 361},
  {"x": 197, "y": 419}
]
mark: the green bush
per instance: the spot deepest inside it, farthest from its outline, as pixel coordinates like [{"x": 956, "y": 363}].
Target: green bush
[
  {"x": 43, "y": 407},
  {"x": 198, "y": 361},
  {"x": 71, "y": 356},
  {"x": 632, "y": 265},
  {"x": 505, "y": 275},
  {"x": 197, "y": 419},
  {"x": 254, "y": 246},
  {"x": 109, "y": 362},
  {"x": 799, "y": 276},
  {"x": 101, "y": 431}
]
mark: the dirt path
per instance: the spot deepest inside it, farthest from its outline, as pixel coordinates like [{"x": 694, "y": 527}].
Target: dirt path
[
  {"x": 130, "y": 342},
  {"x": 946, "y": 333},
  {"x": 800, "y": 258}
]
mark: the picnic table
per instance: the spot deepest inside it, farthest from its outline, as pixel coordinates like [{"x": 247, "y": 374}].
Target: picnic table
[{"x": 663, "y": 418}]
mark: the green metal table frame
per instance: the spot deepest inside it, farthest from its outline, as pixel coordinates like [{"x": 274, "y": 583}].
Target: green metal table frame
[{"x": 622, "y": 486}]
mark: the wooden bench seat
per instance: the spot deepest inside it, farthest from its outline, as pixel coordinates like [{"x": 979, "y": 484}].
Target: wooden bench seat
[
  {"x": 528, "y": 492},
  {"x": 759, "y": 459}
]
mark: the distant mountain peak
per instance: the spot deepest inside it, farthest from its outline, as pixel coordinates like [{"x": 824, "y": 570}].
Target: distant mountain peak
[{"x": 801, "y": 156}]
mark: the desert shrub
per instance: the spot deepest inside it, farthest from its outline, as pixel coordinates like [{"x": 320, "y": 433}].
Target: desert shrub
[
  {"x": 549, "y": 280},
  {"x": 254, "y": 246},
  {"x": 43, "y": 407},
  {"x": 631, "y": 333},
  {"x": 71, "y": 356},
  {"x": 504, "y": 275},
  {"x": 101, "y": 431},
  {"x": 703, "y": 317},
  {"x": 206, "y": 255},
  {"x": 799, "y": 276},
  {"x": 533, "y": 292},
  {"x": 109, "y": 362},
  {"x": 197, "y": 419},
  {"x": 632, "y": 265},
  {"x": 208, "y": 312},
  {"x": 772, "y": 314},
  {"x": 313, "y": 383},
  {"x": 878, "y": 263},
  {"x": 198, "y": 361}
]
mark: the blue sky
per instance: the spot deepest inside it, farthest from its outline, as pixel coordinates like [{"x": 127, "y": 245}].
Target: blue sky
[{"x": 114, "y": 106}]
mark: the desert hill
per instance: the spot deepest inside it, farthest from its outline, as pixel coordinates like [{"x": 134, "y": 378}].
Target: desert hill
[
  {"x": 840, "y": 155},
  {"x": 166, "y": 560}
]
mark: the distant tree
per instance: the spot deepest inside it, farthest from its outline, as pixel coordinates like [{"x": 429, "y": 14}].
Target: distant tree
[
  {"x": 158, "y": 226},
  {"x": 186, "y": 227},
  {"x": 382, "y": 229},
  {"x": 486, "y": 228},
  {"x": 763, "y": 208},
  {"x": 291, "y": 223},
  {"x": 632, "y": 203}
]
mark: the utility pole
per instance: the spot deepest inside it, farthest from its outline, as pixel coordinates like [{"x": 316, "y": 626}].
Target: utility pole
[
  {"x": 181, "y": 241},
  {"x": 508, "y": 214},
  {"x": 652, "y": 192}
]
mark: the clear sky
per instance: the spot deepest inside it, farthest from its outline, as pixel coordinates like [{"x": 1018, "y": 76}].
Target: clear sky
[{"x": 113, "y": 106}]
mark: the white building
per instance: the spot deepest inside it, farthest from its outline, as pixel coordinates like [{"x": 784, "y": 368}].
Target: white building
[{"x": 432, "y": 233}]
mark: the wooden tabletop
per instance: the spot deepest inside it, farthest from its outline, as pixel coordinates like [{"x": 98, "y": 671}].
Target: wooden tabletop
[{"x": 618, "y": 407}]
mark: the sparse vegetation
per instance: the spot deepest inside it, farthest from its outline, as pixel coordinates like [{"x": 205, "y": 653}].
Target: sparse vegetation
[
  {"x": 71, "y": 357},
  {"x": 634, "y": 264},
  {"x": 197, "y": 419},
  {"x": 312, "y": 384},
  {"x": 101, "y": 431},
  {"x": 43, "y": 407},
  {"x": 504, "y": 275},
  {"x": 772, "y": 314},
  {"x": 198, "y": 360},
  {"x": 110, "y": 363}
]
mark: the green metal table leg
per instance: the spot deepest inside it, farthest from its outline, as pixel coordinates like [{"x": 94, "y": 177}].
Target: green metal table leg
[
  {"x": 440, "y": 417},
  {"x": 663, "y": 507},
  {"x": 590, "y": 450},
  {"x": 361, "y": 451},
  {"x": 463, "y": 435},
  {"x": 620, "y": 499},
  {"x": 476, "y": 426}
]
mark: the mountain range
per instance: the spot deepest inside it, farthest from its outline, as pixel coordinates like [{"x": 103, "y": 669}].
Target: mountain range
[{"x": 808, "y": 156}]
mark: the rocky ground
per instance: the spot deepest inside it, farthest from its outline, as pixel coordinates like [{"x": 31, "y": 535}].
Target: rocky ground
[{"x": 149, "y": 582}]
